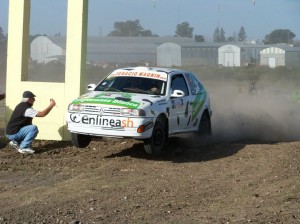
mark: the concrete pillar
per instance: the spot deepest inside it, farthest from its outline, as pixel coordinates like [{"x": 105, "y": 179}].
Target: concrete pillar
[
  {"x": 53, "y": 126},
  {"x": 17, "y": 49},
  {"x": 75, "y": 79}
]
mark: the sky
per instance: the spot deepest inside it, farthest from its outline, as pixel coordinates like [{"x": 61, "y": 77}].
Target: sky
[{"x": 258, "y": 17}]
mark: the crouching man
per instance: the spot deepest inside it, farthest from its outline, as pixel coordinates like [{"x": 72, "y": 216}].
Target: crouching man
[{"x": 20, "y": 129}]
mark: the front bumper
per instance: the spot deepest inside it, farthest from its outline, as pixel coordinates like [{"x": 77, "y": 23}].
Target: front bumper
[{"x": 110, "y": 126}]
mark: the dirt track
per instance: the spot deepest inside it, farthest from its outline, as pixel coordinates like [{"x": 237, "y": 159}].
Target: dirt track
[
  {"x": 116, "y": 182},
  {"x": 248, "y": 172}
]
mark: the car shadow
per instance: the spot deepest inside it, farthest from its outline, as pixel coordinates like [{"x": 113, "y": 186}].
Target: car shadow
[{"x": 183, "y": 150}]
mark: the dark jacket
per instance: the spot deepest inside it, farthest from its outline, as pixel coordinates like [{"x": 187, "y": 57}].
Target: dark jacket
[{"x": 17, "y": 119}]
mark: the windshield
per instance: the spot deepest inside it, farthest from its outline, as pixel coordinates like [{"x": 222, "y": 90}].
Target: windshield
[{"x": 132, "y": 85}]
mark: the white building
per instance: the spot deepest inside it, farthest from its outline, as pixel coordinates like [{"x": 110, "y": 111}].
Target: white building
[
  {"x": 187, "y": 54},
  {"x": 240, "y": 54},
  {"x": 44, "y": 49},
  {"x": 168, "y": 55},
  {"x": 280, "y": 56},
  {"x": 229, "y": 56}
]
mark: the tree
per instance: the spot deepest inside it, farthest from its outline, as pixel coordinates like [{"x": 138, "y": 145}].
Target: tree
[
  {"x": 3, "y": 43},
  {"x": 232, "y": 38},
  {"x": 184, "y": 30},
  {"x": 216, "y": 35},
  {"x": 3, "y": 37},
  {"x": 128, "y": 29},
  {"x": 3, "y": 50},
  {"x": 219, "y": 35},
  {"x": 146, "y": 33},
  {"x": 242, "y": 35},
  {"x": 280, "y": 36},
  {"x": 222, "y": 35},
  {"x": 199, "y": 38}
]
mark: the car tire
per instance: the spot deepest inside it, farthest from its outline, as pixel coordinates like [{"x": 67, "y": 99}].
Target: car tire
[
  {"x": 205, "y": 125},
  {"x": 80, "y": 141},
  {"x": 155, "y": 145}
]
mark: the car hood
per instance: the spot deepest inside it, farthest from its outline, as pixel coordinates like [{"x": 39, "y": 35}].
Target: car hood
[{"x": 120, "y": 99}]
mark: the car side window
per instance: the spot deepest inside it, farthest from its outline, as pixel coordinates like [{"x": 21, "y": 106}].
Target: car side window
[
  {"x": 194, "y": 84},
  {"x": 178, "y": 83}
]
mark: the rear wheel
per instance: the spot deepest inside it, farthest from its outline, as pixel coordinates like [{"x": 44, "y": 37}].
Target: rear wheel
[
  {"x": 205, "y": 125},
  {"x": 157, "y": 142},
  {"x": 80, "y": 141}
]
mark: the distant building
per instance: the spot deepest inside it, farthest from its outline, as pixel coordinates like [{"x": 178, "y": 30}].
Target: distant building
[
  {"x": 166, "y": 52},
  {"x": 236, "y": 55},
  {"x": 104, "y": 50},
  {"x": 229, "y": 56},
  {"x": 282, "y": 55},
  {"x": 211, "y": 54},
  {"x": 187, "y": 54},
  {"x": 44, "y": 49}
]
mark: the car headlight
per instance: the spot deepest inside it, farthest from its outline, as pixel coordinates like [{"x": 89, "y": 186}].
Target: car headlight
[
  {"x": 133, "y": 112},
  {"x": 75, "y": 107}
]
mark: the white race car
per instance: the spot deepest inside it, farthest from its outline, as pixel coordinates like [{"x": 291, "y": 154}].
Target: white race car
[{"x": 144, "y": 103}]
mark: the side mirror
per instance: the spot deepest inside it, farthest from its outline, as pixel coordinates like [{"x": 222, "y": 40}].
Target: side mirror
[
  {"x": 91, "y": 87},
  {"x": 177, "y": 93}
]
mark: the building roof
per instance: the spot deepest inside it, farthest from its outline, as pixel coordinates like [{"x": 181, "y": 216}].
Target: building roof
[{"x": 285, "y": 48}]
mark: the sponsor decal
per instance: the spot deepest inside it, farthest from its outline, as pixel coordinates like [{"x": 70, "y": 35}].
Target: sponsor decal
[
  {"x": 189, "y": 121},
  {"x": 164, "y": 103},
  {"x": 97, "y": 120},
  {"x": 146, "y": 100},
  {"x": 145, "y": 74},
  {"x": 148, "y": 125},
  {"x": 123, "y": 99},
  {"x": 101, "y": 111},
  {"x": 125, "y": 95},
  {"x": 168, "y": 111},
  {"x": 108, "y": 101},
  {"x": 198, "y": 103},
  {"x": 195, "y": 123},
  {"x": 186, "y": 113}
]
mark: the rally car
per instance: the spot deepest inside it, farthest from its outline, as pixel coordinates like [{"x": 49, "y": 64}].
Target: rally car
[{"x": 144, "y": 103}]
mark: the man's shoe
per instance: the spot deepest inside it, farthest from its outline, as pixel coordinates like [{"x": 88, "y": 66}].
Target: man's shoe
[
  {"x": 14, "y": 144},
  {"x": 26, "y": 151}
]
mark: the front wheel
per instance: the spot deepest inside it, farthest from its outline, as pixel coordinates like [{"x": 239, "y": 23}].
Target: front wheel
[
  {"x": 157, "y": 142},
  {"x": 80, "y": 141}
]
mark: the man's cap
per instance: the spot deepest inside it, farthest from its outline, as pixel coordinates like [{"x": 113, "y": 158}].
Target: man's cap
[{"x": 28, "y": 94}]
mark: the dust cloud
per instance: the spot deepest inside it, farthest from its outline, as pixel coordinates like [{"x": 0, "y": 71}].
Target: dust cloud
[{"x": 265, "y": 112}]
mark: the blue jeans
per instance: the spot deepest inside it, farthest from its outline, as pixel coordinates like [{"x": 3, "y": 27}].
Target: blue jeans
[{"x": 25, "y": 136}]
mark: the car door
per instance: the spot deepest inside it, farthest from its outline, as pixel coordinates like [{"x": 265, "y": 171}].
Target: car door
[{"x": 178, "y": 108}]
